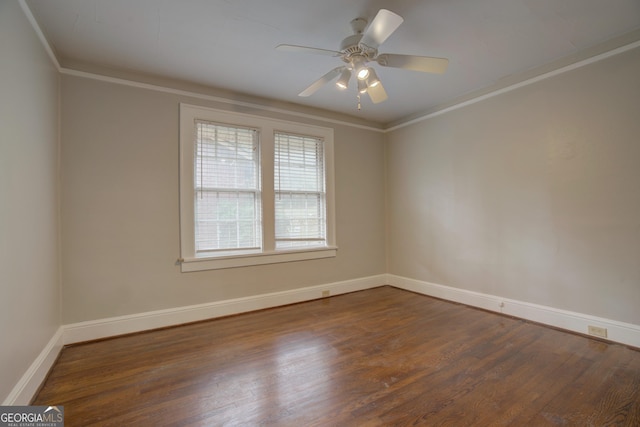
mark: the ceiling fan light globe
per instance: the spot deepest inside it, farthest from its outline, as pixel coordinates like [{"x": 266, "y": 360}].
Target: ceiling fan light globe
[
  {"x": 372, "y": 80},
  {"x": 363, "y": 73},
  {"x": 358, "y": 63},
  {"x": 362, "y": 86},
  {"x": 343, "y": 81}
]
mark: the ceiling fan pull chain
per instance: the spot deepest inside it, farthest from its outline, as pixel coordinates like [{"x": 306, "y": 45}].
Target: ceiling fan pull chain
[{"x": 359, "y": 106}]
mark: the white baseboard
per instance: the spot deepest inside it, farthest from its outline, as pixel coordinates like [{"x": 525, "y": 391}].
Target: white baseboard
[
  {"x": 623, "y": 333},
  {"x": 28, "y": 385},
  {"x": 103, "y": 328},
  {"x": 25, "y": 389}
]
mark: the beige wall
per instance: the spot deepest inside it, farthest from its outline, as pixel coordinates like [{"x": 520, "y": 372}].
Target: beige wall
[
  {"x": 119, "y": 180},
  {"x": 29, "y": 279},
  {"x": 532, "y": 195}
]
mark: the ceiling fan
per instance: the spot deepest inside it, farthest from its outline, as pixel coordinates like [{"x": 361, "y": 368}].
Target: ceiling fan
[{"x": 361, "y": 48}]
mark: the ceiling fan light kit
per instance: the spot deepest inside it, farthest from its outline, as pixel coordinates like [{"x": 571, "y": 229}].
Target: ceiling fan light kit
[{"x": 360, "y": 48}]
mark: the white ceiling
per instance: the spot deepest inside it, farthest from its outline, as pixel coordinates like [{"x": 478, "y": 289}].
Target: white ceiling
[{"x": 229, "y": 44}]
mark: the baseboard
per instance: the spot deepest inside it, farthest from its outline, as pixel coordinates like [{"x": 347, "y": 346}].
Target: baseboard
[
  {"x": 103, "y": 328},
  {"x": 623, "y": 333},
  {"x": 26, "y": 388},
  {"x": 28, "y": 385}
]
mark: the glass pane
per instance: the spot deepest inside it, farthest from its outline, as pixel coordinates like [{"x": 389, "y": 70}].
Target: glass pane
[
  {"x": 226, "y": 157},
  {"x": 300, "y": 216},
  {"x": 227, "y": 221},
  {"x": 299, "y": 163}
]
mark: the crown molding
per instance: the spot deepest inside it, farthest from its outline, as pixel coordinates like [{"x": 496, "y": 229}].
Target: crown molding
[
  {"x": 39, "y": 33},
  {"x": 599, "y": 53},
  {"x": 607, "y": 49},
  {"x": 212, "y": 98}
]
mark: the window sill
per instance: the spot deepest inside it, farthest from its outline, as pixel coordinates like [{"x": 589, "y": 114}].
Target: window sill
[{"x": 233, "y": 261}]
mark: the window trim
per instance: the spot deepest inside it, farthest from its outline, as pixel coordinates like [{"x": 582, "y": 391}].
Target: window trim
[{"x": 267, "y": 128}]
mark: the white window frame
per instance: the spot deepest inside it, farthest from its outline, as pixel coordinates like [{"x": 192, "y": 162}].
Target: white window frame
[{"x": 267, "y": 127}]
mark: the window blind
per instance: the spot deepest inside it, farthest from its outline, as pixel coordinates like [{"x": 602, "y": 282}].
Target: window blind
[
  {"x": 300, "y": 205},
  {"x": 227, "y": 188}
]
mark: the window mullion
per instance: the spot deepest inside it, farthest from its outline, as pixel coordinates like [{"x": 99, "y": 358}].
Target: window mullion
[{"x": 268, "y": 193}]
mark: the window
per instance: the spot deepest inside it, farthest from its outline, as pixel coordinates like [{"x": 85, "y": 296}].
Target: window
[
  {"x": 227, "y": 189},
  {"x": 300, "y": 191},
  {"x": 253, "y": 190}
]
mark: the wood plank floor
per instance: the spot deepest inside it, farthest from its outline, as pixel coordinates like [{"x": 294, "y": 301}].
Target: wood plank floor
[{"x": 381, "y": 357}]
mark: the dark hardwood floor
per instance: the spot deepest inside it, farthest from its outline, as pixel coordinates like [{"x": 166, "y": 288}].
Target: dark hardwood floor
[{"x": 381, "y": 357}]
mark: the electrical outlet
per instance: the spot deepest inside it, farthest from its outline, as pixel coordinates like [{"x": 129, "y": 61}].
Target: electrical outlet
[
  {"x": 597, "y": 331},
  {"x": 325, "y": 294}
]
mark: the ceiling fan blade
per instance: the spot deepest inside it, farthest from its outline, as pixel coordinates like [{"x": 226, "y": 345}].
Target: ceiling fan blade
[
  {"x": 377, "y": 93},
  {"x": 425, "y": 64},
  {"x": 305, "y": 49},
  {"x": 321, "y": 82},
  {"x": 382, "y": 26}
]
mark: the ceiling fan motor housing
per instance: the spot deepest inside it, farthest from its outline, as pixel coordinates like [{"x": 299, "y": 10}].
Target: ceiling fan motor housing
[{"x": 351, "y": 47}]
